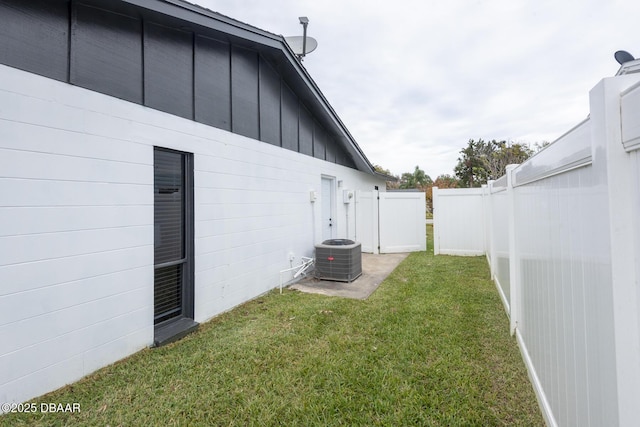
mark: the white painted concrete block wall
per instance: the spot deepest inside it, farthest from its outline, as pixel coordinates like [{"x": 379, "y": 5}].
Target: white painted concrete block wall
[{"x": 76, "y": 229}]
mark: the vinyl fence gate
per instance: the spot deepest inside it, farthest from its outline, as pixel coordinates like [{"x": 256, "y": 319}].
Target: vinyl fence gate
[{"x": 391, "y": 222}]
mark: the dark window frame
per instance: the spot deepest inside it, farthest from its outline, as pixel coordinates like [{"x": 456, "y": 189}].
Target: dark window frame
[{"x": 176, "y": 327}]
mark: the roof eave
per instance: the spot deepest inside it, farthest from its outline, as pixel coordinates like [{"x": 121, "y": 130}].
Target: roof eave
[
  {"x": 386, "y": 177},
  {"x": 359, "y": 158},
  {"x": 204, "y": 17}
]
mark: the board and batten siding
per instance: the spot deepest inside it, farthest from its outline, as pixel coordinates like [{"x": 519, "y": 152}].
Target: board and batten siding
[
  {"x": 77, "y": 233},
  {"x": 168, "y": 64}
]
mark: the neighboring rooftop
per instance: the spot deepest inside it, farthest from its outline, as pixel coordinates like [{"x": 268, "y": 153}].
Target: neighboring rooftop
[
  {"x": 628, "y": 64},
  {"x": 630, "y": 67}
]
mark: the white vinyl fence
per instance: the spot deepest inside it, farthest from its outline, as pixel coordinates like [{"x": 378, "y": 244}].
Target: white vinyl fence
[
  {"x": 562, "y": 236},
  {"x": 391, "y": 222},
  {"x": 452, "y": 207}
]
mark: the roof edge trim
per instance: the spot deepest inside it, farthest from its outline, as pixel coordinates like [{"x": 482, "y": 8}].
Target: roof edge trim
[{"x": 202, "y": 16}]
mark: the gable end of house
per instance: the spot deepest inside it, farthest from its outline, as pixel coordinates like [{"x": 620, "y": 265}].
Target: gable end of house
[{"x": 184, "y": 60}]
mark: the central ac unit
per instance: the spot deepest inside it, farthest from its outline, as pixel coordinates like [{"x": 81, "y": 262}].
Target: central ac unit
[{"x": 339, "y": 260}]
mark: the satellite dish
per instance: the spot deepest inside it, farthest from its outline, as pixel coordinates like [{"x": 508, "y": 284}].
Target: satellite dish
[
  {"x": 296, "y": 43},
  {"x": 623, "y": 56}
]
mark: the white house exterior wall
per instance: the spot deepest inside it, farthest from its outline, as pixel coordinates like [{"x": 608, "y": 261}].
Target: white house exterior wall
[{"x": 77, "y": 228}]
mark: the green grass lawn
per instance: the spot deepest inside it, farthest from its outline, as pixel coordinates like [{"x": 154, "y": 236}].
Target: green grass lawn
[{"x": 430, "y": 347}]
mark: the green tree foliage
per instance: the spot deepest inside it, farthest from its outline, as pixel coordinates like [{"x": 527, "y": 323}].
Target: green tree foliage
[
  {"x": 390, "y": 184},
  {"x": 381, "y": 169},
  {"x": 470, "y": 169},
  {"x": 416, "y": 179},
  {"x": 482, "y": 160},
  {"x": 442, "y": 181},
  {"x": 446, "y": 181},
  {"x": 419, "y": 180}
]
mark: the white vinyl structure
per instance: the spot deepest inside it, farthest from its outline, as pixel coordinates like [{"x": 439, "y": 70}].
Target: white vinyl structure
[
  {"x": 402, "y": 222},
  {"x": 563, "y": 242},
  {"x": 77, "y": 229},
  {"x": 391, "y": 222},
  {"x": 452, "y": 207}
]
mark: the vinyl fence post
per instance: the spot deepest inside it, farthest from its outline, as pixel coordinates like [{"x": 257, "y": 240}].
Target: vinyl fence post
[
  {"x": 611, "y": 101},
  {"x": 485, "y": 221},
  {"x": 436, "y": 225},
  {"x": 375, "y": 207},
  {"x": 514, "y": 261},
  {"x": 491, "y": 238}
]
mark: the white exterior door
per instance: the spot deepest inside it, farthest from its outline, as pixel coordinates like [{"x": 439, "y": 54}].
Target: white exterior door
[{"x": 328, "y": 207}]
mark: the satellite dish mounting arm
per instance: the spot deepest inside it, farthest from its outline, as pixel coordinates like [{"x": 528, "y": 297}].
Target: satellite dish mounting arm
[
  {"x": 304, "y": 21},
  {"x": 301, "y": 45}
]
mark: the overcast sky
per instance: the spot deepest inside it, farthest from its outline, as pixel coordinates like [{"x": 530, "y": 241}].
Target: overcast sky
[{"x": 413, "y": 80}]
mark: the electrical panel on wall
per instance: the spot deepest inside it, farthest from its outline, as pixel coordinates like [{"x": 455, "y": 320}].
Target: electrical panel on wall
[{"x": 347, "y": 196}]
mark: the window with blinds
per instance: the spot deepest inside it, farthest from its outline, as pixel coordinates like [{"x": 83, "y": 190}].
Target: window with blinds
[{"x": 172, "y": 282}]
